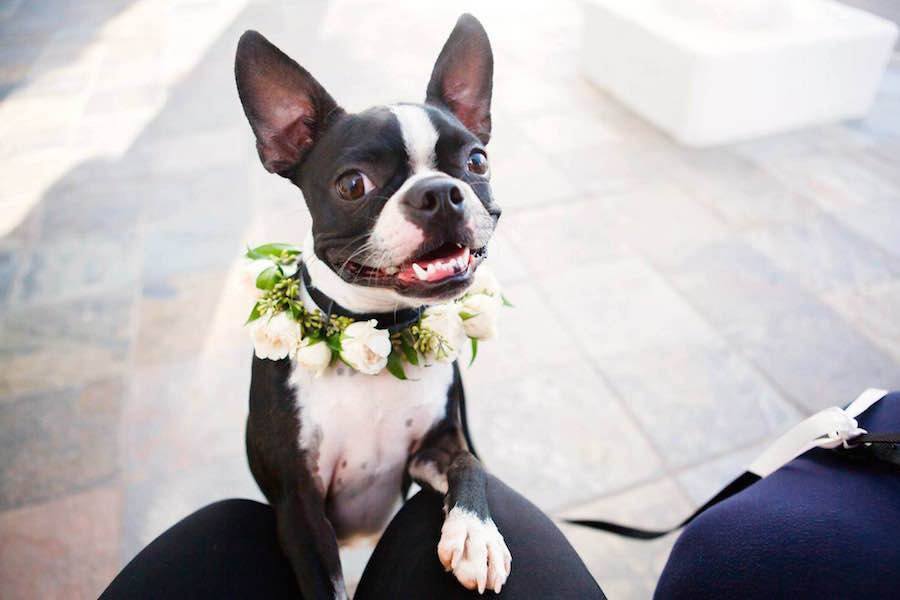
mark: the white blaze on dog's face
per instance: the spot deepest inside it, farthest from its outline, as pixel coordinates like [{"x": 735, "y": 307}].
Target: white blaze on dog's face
[{"x": 399, "y": 195}]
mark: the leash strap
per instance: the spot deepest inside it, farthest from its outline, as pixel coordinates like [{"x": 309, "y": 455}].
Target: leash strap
[{"x": 833, "y": 427}]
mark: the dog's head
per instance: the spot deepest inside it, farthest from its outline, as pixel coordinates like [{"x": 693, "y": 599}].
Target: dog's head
[{"x": 399, "y": 195}]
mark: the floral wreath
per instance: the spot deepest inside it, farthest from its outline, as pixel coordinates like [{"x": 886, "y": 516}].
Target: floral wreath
[{"x": 281, "y": 326}]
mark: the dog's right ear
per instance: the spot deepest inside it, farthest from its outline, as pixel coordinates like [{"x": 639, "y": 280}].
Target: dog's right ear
[{"x": 287, "y": 108}]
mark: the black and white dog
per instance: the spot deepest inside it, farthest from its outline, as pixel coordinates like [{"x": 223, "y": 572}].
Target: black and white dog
[{"x": 401, "y": 216}]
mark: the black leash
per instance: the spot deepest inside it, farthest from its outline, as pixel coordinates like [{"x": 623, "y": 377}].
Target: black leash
[{"x": 882, "y": 446}]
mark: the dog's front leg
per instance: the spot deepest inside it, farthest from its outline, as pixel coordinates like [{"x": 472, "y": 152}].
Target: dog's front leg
[
  {"x": 470, "y": 544},
  {"x": 308, "y": 540}
]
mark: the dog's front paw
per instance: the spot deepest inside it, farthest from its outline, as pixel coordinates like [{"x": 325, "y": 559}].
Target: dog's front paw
[{"x": 474, "y": 550}]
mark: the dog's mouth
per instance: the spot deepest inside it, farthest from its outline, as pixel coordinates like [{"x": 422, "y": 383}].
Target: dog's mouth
[{"x": 432, "y": 272}]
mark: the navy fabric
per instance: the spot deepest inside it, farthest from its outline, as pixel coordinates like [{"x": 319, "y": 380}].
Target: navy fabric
[{"x": 822, "y": 526}]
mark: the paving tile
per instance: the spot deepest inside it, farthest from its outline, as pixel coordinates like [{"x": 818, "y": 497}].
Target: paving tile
[
  {"x": 741, "y": 193},
  {"x": 596, "y": 446},
  {"x": 876, "y": 221},
  {"x": 152, "y": 506},
  {"x": 104, "y": 208},
  {"x": 823, "y": 255},
  {"x": 875, "y": 312},
  {"x": 183, "y": 414},
  {"x": 76, "y": 265},
  {"x": 628, "y": 568},
  {"x": 505, "y": 259},
  {"x": 660, "y": 221},
  {"x": 521, "y": 175},
  {"x": 80, "y": 340},
  {"x": 619, "y": 165},
  {"x": 730, "y": 283},
  {"x": 67, "y": 548},
  {"x": 58, "y": 442},
  {"x": 9, "y": 268},
  {"x": 197, "y": 150},
  {"x": 554, "y": 239},
  {"x": 174, "y": 317},
  {"x": 525, "y": 343},
  {"x": 694, "y": 401},
  {"x": 815, "y": 357},
  {"x": 623, "y": 307},
  {"x": 569, "y": 132},
  {"x": 834, "y": 179},
  {"x": 178, "y": 247}
]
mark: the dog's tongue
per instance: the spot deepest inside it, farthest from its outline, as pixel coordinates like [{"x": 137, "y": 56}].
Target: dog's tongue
[{"x": 436, "y": 268}]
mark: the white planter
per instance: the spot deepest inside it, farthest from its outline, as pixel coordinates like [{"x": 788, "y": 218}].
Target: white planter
[{"x": 717, "y": 71}]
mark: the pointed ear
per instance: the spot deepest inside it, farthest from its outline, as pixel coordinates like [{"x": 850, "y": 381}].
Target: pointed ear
[
  {"x": 286, "y": 106},
  {"x": 463, "y": 77}
]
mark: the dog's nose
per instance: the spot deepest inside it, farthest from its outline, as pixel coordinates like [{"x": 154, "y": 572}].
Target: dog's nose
[{"x": 435, "y": 197}]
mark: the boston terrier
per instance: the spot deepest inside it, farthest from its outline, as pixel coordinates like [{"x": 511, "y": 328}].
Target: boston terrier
[{"x": 402, "y": 214}]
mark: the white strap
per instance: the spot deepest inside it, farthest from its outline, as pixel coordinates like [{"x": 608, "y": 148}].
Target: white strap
[{"x": 828, "y": 428}]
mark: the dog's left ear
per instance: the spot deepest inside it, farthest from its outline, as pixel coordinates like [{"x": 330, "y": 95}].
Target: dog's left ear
[{"x": 462, "y": 78}]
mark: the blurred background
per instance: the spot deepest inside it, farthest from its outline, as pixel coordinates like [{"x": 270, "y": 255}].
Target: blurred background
[{"x": 675, "y": 307}]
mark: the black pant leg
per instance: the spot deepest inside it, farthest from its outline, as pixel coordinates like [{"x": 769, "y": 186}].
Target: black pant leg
[
  {"x": 544, "y": 564},
  {"x": 226, "y": 550}
]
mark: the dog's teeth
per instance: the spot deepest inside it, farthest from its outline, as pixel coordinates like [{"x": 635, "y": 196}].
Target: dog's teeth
[
  {"x": 391, "y": 270},
  {"x": 420, "y": 272},
  {"x": 465, "y": 257},
  {"x": 459, "y": 246},
  {"x": 431, "y": 269}
]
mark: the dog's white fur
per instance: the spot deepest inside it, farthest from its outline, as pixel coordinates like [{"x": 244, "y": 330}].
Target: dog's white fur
[
  {"x": 474, "y": 550},
  {"x": 359, "y": 429},
  {"x": 419, "y": 136}
]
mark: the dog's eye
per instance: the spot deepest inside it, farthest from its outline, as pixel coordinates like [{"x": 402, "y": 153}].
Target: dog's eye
[
  {"x": 478, "y": 162},
  {"x": 353, "y": 185}
]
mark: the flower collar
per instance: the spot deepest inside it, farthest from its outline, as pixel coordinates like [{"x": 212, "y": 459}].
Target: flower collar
[
  {"x": 282, "y": 326},
  {"x": 392, "y": 321}
]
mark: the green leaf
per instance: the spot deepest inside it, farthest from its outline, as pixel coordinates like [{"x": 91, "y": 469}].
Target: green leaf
[
  {"x": 506, "y": 302},
  {"x": 272, "y": 251},
  {"x": 288, "y": 269},
  {"x": 296, "y": 312},
  {"x": 474, "y": 350},
  {"x": 395, "y": 365},
  {"x": 411, "y": 355},
  {"x": 254, "y": 314},
  {"x": 268, "y": 278},
  {"x": 465, "y": 316},
  {"x": 334, "y": 342}
]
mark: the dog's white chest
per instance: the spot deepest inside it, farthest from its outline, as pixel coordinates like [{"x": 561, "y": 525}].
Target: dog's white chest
[{"x": 359, "y": 430}]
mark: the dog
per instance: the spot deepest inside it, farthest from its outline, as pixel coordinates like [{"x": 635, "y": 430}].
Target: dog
[{"x": 402, "y": 214}]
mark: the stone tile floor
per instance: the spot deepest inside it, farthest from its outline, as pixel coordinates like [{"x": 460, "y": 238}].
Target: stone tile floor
[{"x": 674, "y": 309}]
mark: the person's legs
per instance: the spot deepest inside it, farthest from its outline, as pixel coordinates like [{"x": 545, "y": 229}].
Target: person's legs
[
  {"x": 226, "y": 550},
  {"x": 544, "y": 565},
  {"x": 822, "y": 526}
]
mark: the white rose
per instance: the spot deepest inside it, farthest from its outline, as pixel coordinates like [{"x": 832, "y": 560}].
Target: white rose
[
  {"x": 314, "y": 356},
  {"x": 250, "y": 270},
  {"x": 482, "y": 325},
  {"x": 365, "y": 348},
  {"x": 274, "y": 337},
  {"x": 445, "y": 321},
  {"x": 484, "y": 282}
]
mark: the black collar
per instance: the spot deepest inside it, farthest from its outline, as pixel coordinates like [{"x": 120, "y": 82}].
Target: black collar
[{"x": 392, "y": 321}]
